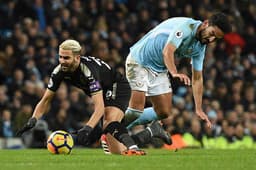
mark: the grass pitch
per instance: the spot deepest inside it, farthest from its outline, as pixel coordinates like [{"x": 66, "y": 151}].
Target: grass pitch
[{"x": 156, "y": 159}]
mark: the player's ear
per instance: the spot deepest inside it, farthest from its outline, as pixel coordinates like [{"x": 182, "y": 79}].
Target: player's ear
[
  {"x": 77, "y": 57},
  {"x": 205, "y": 23}
]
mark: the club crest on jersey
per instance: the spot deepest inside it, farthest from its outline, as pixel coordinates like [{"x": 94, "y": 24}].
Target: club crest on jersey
[
  {"x": 139, "y": 84},
  {"x": 178, "y": 34}
]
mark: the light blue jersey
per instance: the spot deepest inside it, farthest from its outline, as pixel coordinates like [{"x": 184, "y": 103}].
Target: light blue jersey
[{"x": 180, "y": 32}]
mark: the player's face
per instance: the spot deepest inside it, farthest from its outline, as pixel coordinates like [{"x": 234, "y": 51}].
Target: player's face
[
  {"x": 68, "y": 60},
  {"x": 210, "y": 34}
]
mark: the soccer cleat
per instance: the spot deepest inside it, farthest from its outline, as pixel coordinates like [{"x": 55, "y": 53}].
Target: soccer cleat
[
  {"x": 133, "y": 152},
  {"x": 104, "y": 144},
  {"x": 157, "y": 131}
]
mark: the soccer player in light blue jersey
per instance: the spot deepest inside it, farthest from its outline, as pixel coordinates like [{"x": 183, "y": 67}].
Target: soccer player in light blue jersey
[{"x": 152, "y": 57}]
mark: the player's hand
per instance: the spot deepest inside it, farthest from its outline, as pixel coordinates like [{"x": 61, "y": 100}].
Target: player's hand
[
  {"x": 204, "y": 117},
  {"x": 83, "y": 135},
  {"x": 29, "y": 125},
  {"x": 183, "y": 78}
]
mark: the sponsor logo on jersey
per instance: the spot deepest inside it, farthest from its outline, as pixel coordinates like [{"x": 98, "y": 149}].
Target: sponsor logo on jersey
[{"x": 94, "y": 86}]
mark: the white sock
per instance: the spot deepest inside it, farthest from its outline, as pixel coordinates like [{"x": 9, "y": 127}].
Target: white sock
[{"x": 134, "y": 147}]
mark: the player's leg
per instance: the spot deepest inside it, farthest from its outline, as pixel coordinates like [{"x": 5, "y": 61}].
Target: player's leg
[
  {"x": 146, "y": 117},
  {"x": 115, "y": 105},
  {"x": 111, "y": 145},
  {"x": 159, "y": 91},
  {"x": 162, "y": 105},
  {"x": 136, "y": 106},
  {"x": 112, "y": 118},
  {"x": 116, "y": 142},
  {"x": 155, "y": 130},
  {"x": 137, "y": 77},
  {"x": 160, "y": 94}
]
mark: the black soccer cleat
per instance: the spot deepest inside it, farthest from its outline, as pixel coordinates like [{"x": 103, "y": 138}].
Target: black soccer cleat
[{"x": 157, "y": 131}]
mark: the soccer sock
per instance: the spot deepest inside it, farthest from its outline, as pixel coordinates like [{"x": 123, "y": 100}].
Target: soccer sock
[
  {"x": 143, "y": 137},
  {"x": 147, "y": 116},
  {"x": 119, "y": 132},
  {"x": 131, "y": 115}
]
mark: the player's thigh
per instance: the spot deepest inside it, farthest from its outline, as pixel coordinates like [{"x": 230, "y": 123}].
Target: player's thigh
[
  {"x": 162, "y": 104},
  {"x": 136, "y": 75},
  {"x": 159, "y": 84},
  {"x": 112, "y": 114}
]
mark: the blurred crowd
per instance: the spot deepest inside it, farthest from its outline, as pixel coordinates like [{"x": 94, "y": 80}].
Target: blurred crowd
[{"x": 31, "y": 30}]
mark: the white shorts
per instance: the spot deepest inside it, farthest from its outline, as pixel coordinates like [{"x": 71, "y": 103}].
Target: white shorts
[{"x": 144, "y": 79}]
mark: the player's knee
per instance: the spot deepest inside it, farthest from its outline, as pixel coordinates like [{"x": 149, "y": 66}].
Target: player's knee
[
  {"x": 131, "y": 115},
  {"x": 133, "y": 112},
  {"x": 109, "y": 120},
  {"x": 116, "y": 129},
  {"x": 106, "y": 123}
]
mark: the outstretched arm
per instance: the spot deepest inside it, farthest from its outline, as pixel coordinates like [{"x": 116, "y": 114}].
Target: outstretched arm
[
  {"x": 197, "y": 87},
  {"x": 41, "y": 108},
  {"x": 43, "y": 105}
]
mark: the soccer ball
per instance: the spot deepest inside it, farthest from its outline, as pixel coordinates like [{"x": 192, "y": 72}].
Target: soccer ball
[{"x": 60, "y": 142}]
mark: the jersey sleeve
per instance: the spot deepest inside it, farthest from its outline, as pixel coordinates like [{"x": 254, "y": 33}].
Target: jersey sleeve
[
  {"x": 93, "y": 77},
  {"x": 94, "y": 86},
  {"x": 178, "y": 34},
  {"x": 198, "y": 59},
  {"x": 55, "y": 79}
]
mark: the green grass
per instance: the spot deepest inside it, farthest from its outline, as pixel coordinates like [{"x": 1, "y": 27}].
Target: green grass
[{"x": 156, "y": 159}]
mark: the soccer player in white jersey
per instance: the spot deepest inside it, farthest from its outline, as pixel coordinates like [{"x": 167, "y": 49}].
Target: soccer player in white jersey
[{"x": 152, "y": 57}]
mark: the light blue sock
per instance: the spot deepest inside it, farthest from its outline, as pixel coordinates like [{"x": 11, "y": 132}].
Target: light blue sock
[
  {"x": 131, "y": 115},
  {"x": 147, "y": 116}
]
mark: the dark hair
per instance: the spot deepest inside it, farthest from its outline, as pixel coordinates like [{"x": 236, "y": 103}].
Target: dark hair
[{"x": 221, "y": 20}]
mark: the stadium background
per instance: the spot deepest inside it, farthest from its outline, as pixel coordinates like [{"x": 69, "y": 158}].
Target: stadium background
[{"x": 31, "y": 30}]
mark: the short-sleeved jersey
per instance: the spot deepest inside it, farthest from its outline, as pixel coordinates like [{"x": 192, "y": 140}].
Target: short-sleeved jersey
[
  {"x": 92, "y": 75},
  {"x": 178, "y": 31}
]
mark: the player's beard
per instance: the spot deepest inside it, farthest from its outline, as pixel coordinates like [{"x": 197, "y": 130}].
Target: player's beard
[
  {"x": 69, "y": 67},
  {"x": 202, "y": 37}
]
